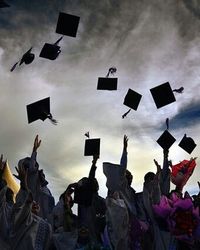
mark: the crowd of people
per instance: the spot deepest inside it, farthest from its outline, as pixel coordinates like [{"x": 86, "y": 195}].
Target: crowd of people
[{"x": 155, "y": 219}]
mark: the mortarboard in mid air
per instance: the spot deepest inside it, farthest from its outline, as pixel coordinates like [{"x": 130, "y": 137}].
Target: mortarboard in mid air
[
  {"x": 40, "y": 110},
  {"x": 92, "y": 147},
  {"x": 108, "y": 83},
  {"x": 51, "y": 51},
  {"x": 187, "y": 144},
  {"x": 166, "y": 140},
  {"x": 67, "y": 24},
  {"x": 3, "y": 4},
  {"x": 27, "y": 58},
  {"x": 163, "y": 95},
  {"x": 132, "y": 99}
]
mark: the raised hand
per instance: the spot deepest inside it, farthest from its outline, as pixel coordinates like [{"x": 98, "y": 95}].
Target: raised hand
[
  {"x": 158, "y": 172},
  {"x": 21, "y": 175},
  {"x": 125, "y": 142},
  {"x": 36, "y": 144}
]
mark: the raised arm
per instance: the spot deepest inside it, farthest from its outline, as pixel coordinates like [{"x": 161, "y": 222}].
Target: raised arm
[
  {"x": 36, "y": 145},
  {"x": 93, "y": 167},
  {"x": 123, "y": 161},
  {"x": 165, "y": 174}
]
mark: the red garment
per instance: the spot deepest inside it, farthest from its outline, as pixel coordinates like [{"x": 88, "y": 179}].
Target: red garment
[
  {"x": 185, "y": 166},
  {"x": 181, "y": 172}
]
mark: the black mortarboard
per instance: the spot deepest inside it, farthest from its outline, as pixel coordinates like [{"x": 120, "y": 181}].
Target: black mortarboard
[
  {"x": 132, "y": 99},
  {"x": 166, "y": 140},
  {"x": 105, "y": 83},
  {"x": 3, "y": 4},
  {"x": 67, "y": 24},
  {"x": 163, "y": 95},
  {"x": 187, "y": 144},
  {"x": 28, "y": 57},
  {"x": 92, "y": 147},
  {"x": 39, "y": 110},
  {"x": 51, "y": 51}
]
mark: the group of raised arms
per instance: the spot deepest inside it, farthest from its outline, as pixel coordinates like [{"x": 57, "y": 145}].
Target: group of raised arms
[{"x": 157, "y": 218}]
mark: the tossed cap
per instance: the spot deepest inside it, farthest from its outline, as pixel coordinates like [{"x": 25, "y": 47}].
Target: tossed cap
[
  {"x": 162, "y": 95},
  {"x": 40, "y": 110},
  {"x": 67, "y": 24},
  {"x": 51, "y": 51},
  {"x": 92, "y": 147},
  {"x": 28, "y": 57},
  {"x": 132, "y": 99},
  {"x": 166, "y": 140},
  {"x": 187, "y": 144},
  {"x": 105, "y": 83}
]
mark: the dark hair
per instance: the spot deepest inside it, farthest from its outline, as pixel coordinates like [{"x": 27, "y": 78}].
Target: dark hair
[
  {"x": 149, "y": 177},
  {"x": 129, "y": 177}
]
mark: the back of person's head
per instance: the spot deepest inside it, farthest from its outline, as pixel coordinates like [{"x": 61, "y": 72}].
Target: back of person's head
[
  {"x": 129, "y": 177},
  {"x": 149, "y": 177},
  {"x": 95, "y": 185},
  {"x": 25, "y": 162}
]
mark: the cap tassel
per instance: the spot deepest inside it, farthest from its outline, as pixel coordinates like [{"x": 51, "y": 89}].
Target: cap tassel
[
  {"x": 180, "y": 90},
  {"x": 167, "y": 123},
  {"x": 53, "y": 121},
  {"x": 111, "y": 71},
  {"x": 125, "y": 114}
]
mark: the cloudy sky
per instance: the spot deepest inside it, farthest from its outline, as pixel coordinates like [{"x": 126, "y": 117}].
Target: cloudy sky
[{"x": 149, "y": 42}]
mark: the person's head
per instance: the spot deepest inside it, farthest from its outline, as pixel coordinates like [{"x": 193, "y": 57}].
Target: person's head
[
  {"x": 129, "y": 177},
  {"x": 25, "y": 162},
  {"x": 83, "y": 236},
  {"x": 67, "y": 198},
  {"x": 95, "y": 185},
  {"x": 149, "y": 177}
]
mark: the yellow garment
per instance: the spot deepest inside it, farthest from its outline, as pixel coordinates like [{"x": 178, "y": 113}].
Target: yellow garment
[{"x": 11, "y": 182}]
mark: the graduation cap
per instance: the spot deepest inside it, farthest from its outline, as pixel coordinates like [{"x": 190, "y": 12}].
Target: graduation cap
[
  {"x": 166, "y": 140},
  {"x": 51, "y": 51},
  {"x": 132, "y": 99},
  {"x": 162, "y": 95},
  {"x": 106, "y": 83},
  {"x": 40, "y": 110},
  {"x": 187, "y": 144},
  {"x": 27, "y": 58},
  {"x": 67, "y": 24},
  {"x": 92, "y": 147},
  {"x": 3, "y": 4}
]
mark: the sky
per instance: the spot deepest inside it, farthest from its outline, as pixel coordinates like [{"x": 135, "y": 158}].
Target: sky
[{"x": 149, "y": 42}]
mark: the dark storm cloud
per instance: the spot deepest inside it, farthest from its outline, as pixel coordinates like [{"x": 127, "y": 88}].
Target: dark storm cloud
[
  {"x": 187, "y": 117},
  {"x": 193, "y": 6}
]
